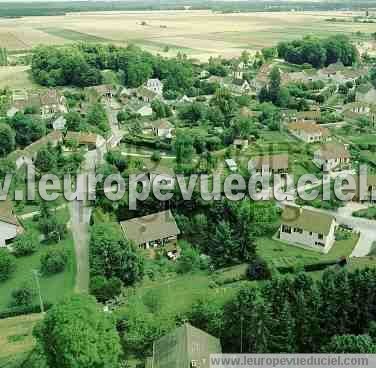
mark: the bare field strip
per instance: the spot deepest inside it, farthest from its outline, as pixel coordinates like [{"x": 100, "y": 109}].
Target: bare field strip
[
  {"x": 199, "y": 33},
  {"x": 15, "y": 77},
  {"x": 16, "y": 334}
]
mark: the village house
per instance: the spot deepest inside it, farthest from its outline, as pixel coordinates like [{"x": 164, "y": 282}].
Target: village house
[
  {"x": 162, "y": 128},
  {"x": 51, "y": 103},
  {"x": 155, "y": 85},
  {"x": 366, "y": 93},
  {"x": 59, "y": 123},
  {"x": 28, "y": 155},
  {"x": 89, "y": 141},
  {"x": 103, "y": 91},
  {"x": 145, "y": 94},
  {"x": 302, "y": 226},
  {"x": 241, "y": 86},
  {"x": 273, "y": 164},
  {"x": 356, "y": 110},
  {"x": 151, "y": 231},
  {"x": 185, "y": 347},
  {"x": 332, "y": 156},
  {"x": 241, "y": 143},
  {"x": 365, "y": 189},
  {"x": 144, "y": 110},
  {"x": 9, "y": 225},
  {"x": 309, "y": 132}
]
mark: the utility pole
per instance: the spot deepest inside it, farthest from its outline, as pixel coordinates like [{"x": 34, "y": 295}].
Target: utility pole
[{"x": 36, "y": 276}]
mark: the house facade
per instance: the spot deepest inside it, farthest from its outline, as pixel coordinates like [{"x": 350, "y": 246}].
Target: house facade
[
  {"x": 51, "y": 103},
  {"x": 309, "y": 132},
  {"x": 332, "y": 156},
  {"x": 155, "y": 85},
  {"x": 307, "y": 227},
  {"x": 273, "y": 164}
]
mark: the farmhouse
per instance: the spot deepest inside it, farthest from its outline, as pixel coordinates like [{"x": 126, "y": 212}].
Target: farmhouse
[
  {"x": 9, "y": 225},
  {"x": 162, "y": 128},
  {"x": 309, "y": 132},
  {"x": 332, "y": 156},
  {"x": 155, "y": 85},
  {"x": 51, "y": 102},
  {"x": 59, "y": 123},
  {"x": 366, "y": 93},
  {"x": 102, "y": 91},
  {"x": 185, "y": 347},
  {"x": 84, "y": 139},
  {"x": 145, "y": 94},
  {"x": 151, "y": 231},
  {"x": 241, "y": 143},
  {"x": 356, "y": 110},
  {"x": 307, "y": 227},
  {"x": 273, "y": 164}
]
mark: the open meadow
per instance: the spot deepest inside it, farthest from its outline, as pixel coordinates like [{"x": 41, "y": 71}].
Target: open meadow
[{"x": 199, "y": 34}]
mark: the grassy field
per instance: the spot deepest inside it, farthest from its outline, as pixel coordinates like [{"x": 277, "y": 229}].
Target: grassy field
[
  {"x": 16, "y": 336},
  {"x": 16, "y": 77},
  {"x": 54, "y": 287},
  {"x": 198, "y": 33},
  {"x": 283, "y": 255}
]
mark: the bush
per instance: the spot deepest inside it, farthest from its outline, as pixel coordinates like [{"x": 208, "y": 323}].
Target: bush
[
  {"x": 105, "y": 289},
  {"x": 258, "y": 269},
  {"x": 7, "y": 264},
  {"x": 25, "y": 245},
  {"x": 156, "y": 156},
  {"x": 53, "y": 261},
  {"x": 27, "y": 309},
  {"x": 22, "y": 296}
]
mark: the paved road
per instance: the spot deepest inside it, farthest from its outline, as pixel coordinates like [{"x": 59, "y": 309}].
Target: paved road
[{"x": 117, "y": 133}]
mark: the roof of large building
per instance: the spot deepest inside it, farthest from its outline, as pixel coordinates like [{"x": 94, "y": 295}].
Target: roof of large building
[
  {"x": 144, "y": 92},
  {"x": 308, "y": 127},
  {"x": 333, "y": 150},
  {"x": 184, "y": 347},
  {"x": 152, "y": 227},
  {"x": 274, "y": 162},
  {"x": 308, "y": 220}
]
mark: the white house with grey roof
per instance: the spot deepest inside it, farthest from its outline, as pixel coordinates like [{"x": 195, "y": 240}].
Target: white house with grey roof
[
  {"x": 302, "y": 226},
  {"x": 9, "y": 225},
  {"x": 151, "y": 231}
]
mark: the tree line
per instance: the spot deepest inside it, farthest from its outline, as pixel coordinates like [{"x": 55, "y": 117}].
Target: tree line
[
  {"x": 296, "y": 314},
  {"x": 319, "y": 52}
]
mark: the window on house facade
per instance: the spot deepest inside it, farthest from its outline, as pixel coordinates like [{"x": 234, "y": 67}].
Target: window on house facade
[
  {"x": 286, "y": 229},
  {"x": 298, "y": 230},
  {"x": 321, "y": 236}
]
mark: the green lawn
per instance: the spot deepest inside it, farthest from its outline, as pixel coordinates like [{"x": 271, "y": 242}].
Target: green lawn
[
  {"x": 54, "y": 287},
  {"x": 369, "y": 213},
  {"x": 280, "y": 254},
  {"x": 363, "y": 139}
]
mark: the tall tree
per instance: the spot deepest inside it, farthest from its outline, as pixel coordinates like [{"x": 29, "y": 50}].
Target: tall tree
[{"x": 77, "y": 333}]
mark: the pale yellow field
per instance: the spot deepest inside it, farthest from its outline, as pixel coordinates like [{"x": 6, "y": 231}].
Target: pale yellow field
[
  {"x": 198, "y": 33},
  {"x": 15, "y": 76},
  {"x": 16, "y": 334}
]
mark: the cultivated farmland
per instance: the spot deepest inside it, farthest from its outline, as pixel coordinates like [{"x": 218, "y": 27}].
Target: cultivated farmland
[{"x": 200, "y": 34}]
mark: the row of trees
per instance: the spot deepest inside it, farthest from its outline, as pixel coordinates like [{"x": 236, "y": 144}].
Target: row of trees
[
  {"x": 296, "y": 314},
  {"x": 319, "y": 52},
  {"x": 81, "y": 65}
]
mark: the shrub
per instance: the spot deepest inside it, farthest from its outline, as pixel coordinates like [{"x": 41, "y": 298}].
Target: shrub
[
  {"x": 105, "y": 289},
  {"x": 22, "y": 296},
  {"x": 156, "y": 156},
  {"x": 7, "y": 264},
  {"x": 25, "y": 245},
  {"x": 53, "y": 261},
  {"x": 258, "y": 269}
]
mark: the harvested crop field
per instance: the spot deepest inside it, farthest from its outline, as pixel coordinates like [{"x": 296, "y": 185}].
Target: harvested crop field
[
  {"x": 198, "y": 33},
  {"x": 15, "y": 77}
]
